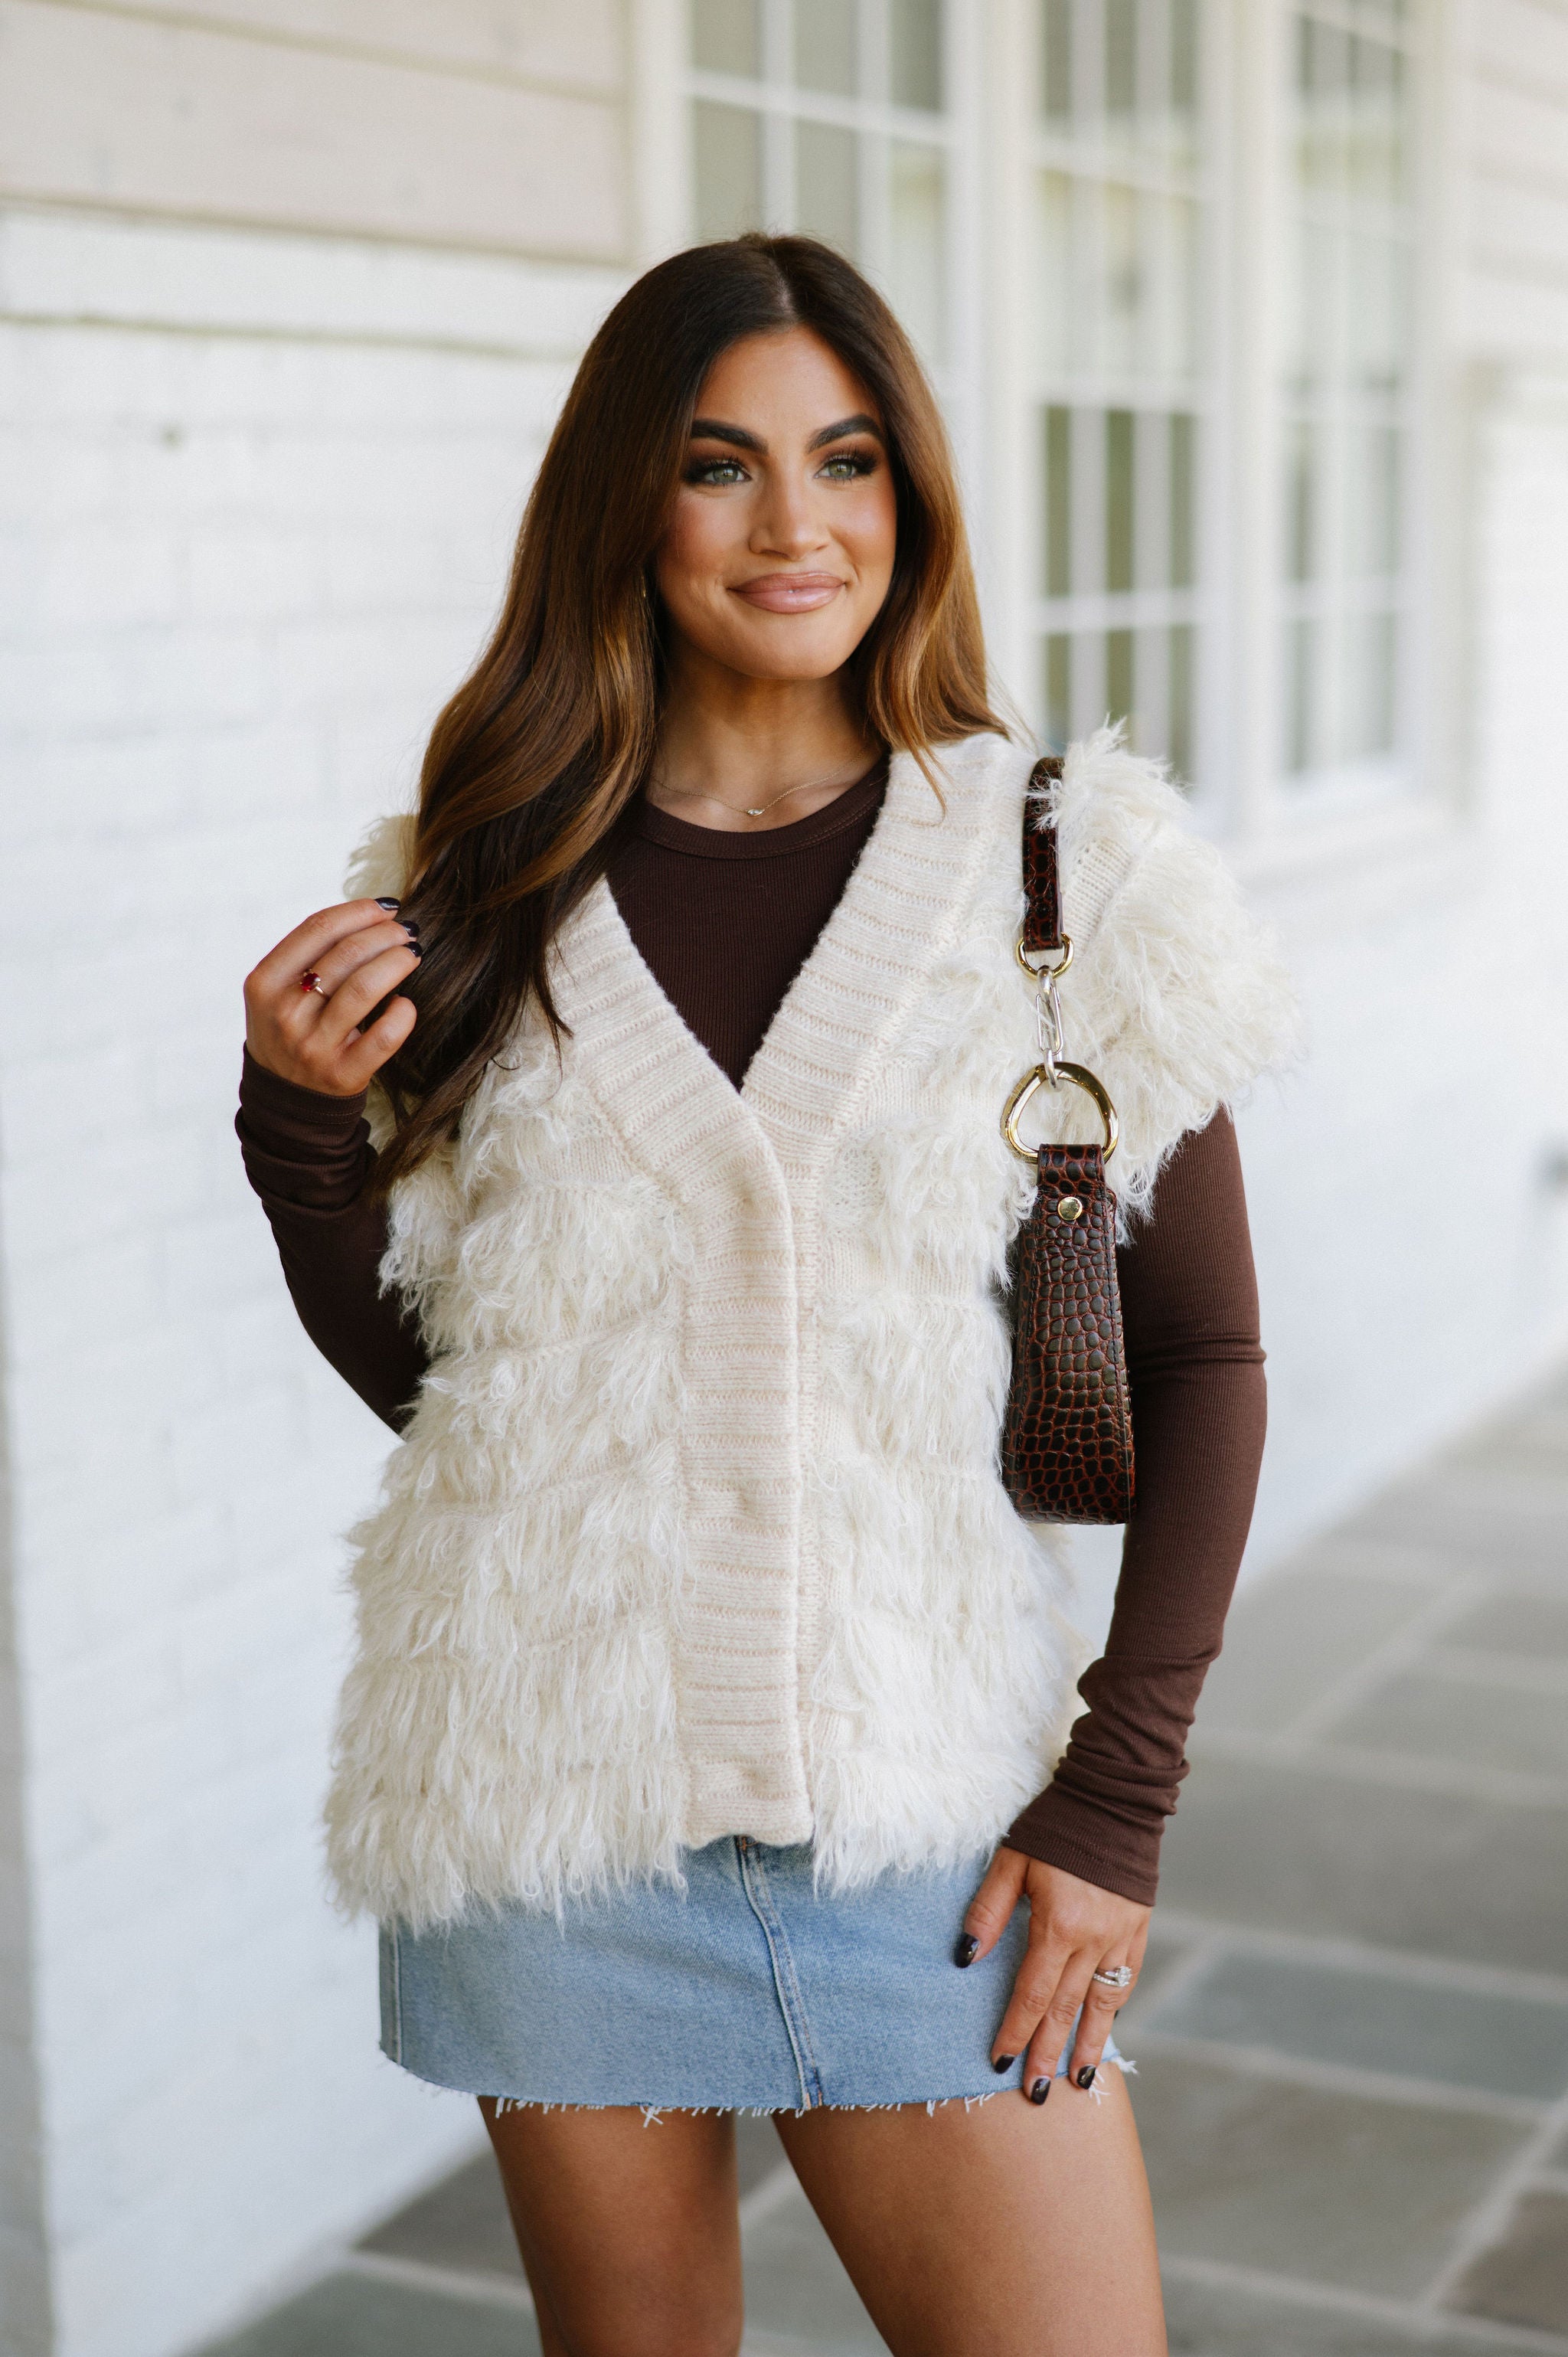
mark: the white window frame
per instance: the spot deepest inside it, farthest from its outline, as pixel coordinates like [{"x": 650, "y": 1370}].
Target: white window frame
[
  {"x": 878, "y": 126},
  {"x": 958, "y": 131},
  {"x": 1279, "y": 821},
  {"x": 1197, "y": 604},
  {"x": 993, "y": 137}
]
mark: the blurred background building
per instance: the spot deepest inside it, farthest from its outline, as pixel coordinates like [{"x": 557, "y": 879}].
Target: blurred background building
[{"x": 1250, "y": 319}]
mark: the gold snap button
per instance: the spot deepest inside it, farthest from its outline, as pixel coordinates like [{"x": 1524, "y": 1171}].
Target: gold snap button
[{"x": 1069, "y": 1207}]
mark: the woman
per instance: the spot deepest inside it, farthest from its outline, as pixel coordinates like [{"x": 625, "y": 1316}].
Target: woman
[{"x": 699, "y": 1750}]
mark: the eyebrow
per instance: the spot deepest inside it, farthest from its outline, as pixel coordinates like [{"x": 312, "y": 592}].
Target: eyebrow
[
  {"x": 714, "y": 429},
  {"x": 859, "y": 423}
]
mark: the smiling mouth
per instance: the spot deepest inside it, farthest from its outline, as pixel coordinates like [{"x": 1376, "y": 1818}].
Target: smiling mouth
[{"x": 791, "y": 593}]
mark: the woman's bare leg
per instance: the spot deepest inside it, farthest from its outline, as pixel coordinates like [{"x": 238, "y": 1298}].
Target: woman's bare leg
[
  {"x": 1021, "y": 2230},
  {"x": 628, "y": 2232}
]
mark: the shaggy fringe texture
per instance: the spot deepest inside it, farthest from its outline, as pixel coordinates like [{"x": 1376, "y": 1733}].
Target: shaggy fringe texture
[
  {"x": 1177, "y": 997},
  {"x": 697, "y": 1528}
]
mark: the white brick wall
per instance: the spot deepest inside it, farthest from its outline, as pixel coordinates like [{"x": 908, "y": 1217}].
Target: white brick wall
[
  {"x": 256, "y": 497},
  {"x": 247, "y": 559}
]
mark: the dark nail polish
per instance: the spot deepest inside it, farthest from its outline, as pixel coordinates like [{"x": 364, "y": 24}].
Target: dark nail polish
[
  {"x": 965, "y": 1951},
  {"x": 382, "y": 903},
  {"x": 409, "y": 928},
  {"x": 1085, "y": 2076},
  {"x": 1039, "y": 2090},
  {"x": 1000, "y": 2062}
]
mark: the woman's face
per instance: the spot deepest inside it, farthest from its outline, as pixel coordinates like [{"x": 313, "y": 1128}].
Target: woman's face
[{"x": 779, "y": 552}]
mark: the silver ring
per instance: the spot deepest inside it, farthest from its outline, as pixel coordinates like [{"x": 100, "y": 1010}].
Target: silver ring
[{"x": 1119, "y": 1977}]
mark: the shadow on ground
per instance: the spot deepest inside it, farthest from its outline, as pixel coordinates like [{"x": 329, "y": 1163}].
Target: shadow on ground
[{"x": 1352, "y": 2037}]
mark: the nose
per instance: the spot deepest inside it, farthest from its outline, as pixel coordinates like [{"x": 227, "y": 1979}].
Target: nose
[{"x": 788, "y": 522}]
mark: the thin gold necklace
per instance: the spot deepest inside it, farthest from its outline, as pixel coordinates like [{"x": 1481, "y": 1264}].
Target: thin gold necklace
[{"x": 677, "y": 794}]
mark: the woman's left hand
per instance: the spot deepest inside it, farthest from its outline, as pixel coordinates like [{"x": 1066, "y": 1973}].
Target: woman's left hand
[{"x": 1075, "y": 1931}]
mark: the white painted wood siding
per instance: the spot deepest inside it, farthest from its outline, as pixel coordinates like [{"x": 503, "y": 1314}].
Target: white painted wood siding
[{"x": 456, "y": 145}]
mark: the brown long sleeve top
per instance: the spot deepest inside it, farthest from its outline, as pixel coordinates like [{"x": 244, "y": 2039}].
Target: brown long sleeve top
[{"x": 724, "y": 923}]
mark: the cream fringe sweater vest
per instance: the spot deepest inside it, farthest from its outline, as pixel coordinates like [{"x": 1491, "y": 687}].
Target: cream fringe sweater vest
[{"x": 697, "y": 1527}]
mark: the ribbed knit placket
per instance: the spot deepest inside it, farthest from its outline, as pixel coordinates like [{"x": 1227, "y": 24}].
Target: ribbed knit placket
[{"x": 744, "y": 1170}]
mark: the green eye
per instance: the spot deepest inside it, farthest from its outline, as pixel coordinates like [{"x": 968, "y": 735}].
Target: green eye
[
  {"x": 846, "y": 465},
  {"x": 717, "y": 470}
]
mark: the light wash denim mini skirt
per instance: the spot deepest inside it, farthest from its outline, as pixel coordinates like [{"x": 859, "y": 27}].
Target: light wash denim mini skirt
[{"x": 751, "y": 1990}]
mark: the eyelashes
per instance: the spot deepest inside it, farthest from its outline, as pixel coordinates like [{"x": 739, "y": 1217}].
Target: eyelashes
[
  {"x": 714, "y": 471},
  {"x": 842, "y": 467}
]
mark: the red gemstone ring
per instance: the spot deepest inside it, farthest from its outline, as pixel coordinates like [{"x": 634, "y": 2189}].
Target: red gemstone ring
[{"x": 311, "y": 980}]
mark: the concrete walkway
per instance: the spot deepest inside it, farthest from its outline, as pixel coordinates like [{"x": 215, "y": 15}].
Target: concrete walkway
[{"x": 1352, "y": 2035}]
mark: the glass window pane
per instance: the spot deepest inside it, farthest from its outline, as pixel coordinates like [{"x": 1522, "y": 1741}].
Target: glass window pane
[
  {"x": 826, "y": 197},
  {"x": 1376, "y": 145},
  {"x": 1122, "y": 287},
  {"x": 1118, "y": 677},
  {"x": 1120, "y": 258},
  {"x": 726, "y": 37},
  {"x": 1317, "y": 254},
  {"x": 1384, "y": 704},
  {"x": 1345, "y": 372},
  {"x": 1372, "y": 500},
  {"x": 1121, "y": 499},
  {"x": 1168, "y": 286},
  {"x": 1147, "y": 718},
  {"x": 1183, "y": 498},
  {"x": 1120, "y": 57},
  {"x": 1184, "y": 56},
  {"x": 1367, "y": 656},
  {"x": 1303, "y": 464},
  {"x": 1056, "y": 60},
  {"x": 1301, "y": 683},
  {"x": 915, "y": 30},
  {"x": 1059, "y": 691},
  {"x": 1054, "y": 308},
  {"x": 918, "y": 255},
  {"x": 1322, "y": 80},
  {"x": 1087, "y": 706},
  {"x": 1378, "y": 322},
  {"x": 1178, "y": 697},
  {"x": 728, "y": 153},
  {"x": 1059, "y": 502},
  {"x": 825, "y": 45}
]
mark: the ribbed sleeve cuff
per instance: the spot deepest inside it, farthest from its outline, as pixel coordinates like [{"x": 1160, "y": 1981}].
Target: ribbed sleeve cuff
[
  {"x": 274, "y": 1107},
  {"x": 302, "y": 1149},
  {"x": 1060, "y": 1829}
]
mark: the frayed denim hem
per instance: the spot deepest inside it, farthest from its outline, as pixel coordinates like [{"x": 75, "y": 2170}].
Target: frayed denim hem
[{"x": 653, "y": 2113}]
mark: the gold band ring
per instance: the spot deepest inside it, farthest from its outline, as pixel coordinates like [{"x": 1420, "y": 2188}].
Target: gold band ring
[{"x": 311, "y": 980}]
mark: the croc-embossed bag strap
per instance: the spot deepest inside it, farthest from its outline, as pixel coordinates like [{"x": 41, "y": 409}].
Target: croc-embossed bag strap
[
  {"x": 1067, "y": 1437},
  {"x": 1042, "y": 879}
]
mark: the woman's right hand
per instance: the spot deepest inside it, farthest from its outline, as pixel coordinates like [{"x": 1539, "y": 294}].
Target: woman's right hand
[{"x": 356, "y": 953}]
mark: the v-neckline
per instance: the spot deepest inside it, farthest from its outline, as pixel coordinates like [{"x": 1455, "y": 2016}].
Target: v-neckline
[{"x": 652, "y": 1077}]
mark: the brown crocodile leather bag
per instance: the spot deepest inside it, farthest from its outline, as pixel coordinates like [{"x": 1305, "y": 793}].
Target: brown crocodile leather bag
[{"x": 1067, "y": 1439}]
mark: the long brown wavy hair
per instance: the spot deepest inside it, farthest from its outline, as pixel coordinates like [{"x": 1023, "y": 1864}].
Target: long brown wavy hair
[{"x": 538, "y": 754}]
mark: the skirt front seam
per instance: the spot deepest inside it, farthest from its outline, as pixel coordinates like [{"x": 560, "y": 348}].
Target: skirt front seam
[{"x": 753, "y": 1881}]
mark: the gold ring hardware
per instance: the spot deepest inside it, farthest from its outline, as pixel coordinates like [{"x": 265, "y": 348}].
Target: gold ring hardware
[
  {"x": 1039, "y": 1078},
  {"x": 1051, "y": 973}
]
